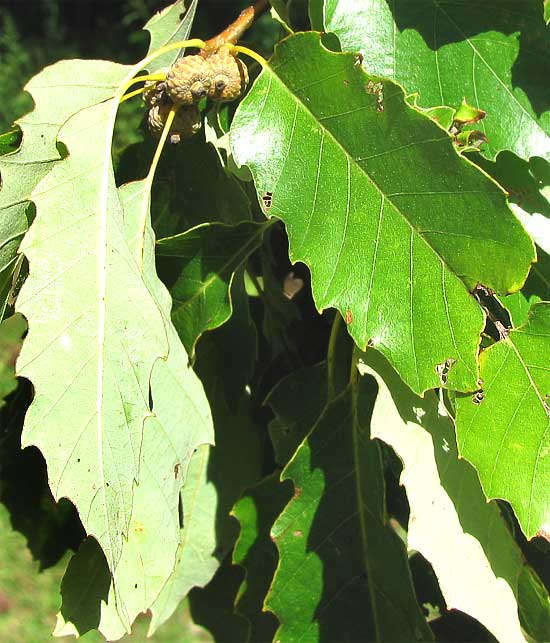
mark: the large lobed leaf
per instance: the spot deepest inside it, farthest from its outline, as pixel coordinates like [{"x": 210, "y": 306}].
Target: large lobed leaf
[
  {"x": 494, "y": 53},
  {"x": 366, "y": 186},
  {"x": 479, "y": 565},
  {"x": 100, "y": 346},
  {"x": 504, "y": 429},
  {"x": 21, "y": 170}
]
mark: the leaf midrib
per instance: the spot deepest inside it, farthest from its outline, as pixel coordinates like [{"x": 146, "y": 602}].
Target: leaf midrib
[{"x": 349, "y": 156}]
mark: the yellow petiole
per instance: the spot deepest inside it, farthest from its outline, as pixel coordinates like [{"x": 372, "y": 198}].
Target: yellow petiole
[
  {"x": 136, "y": 92},
  {"x": 163, "y": 137},
  {"x": 251, "y": 53}
]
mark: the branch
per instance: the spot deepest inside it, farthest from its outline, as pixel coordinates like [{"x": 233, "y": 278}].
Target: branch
[{"x": 234, "y": 32}]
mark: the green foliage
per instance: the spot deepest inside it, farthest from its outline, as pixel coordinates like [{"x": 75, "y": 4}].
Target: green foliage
[{"x": 198, "y": 426}]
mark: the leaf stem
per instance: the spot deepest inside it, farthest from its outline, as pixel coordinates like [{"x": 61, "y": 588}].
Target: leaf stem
[
  {"x": 131, "y": 95},
  {"x": 151, "y": 175},
  {"x": 249, "y": 52},
  {"x": 143, "y": 79},
  {"x": 162, "y": 140}
]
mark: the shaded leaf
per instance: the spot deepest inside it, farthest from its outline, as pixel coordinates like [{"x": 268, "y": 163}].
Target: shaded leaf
[
  {"x": 536, "y": 288},
  {"x": 254, "y": 550},
  {"x": 319, "y": 134},
  {"x": 297, "y": 401},
  {"x": 494, "y": 54},
  {"x": 212, "y": 606},
  {"x": 11, "y": 337},
  {"x": 205, "y": 259},
  {"x": 526, "y": 182},
  {"x": 236, "y": 344},
  {"x": 10, "y": 141},
  {"x": 343, "y": 574},
  {"x": 480, "y": 567},
  {"x": 211, "y": 488},
  {"x": 503, "y": 429}
]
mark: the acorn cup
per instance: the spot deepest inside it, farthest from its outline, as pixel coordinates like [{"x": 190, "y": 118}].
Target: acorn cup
[
  {"x": 154, "y": 91},
  {"x": 189, "y": 80},
  {"x": 229, "y": 76},
  {"x": 187, "y": 122}
]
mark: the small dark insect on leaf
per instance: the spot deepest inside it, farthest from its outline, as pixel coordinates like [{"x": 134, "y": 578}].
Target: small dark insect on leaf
[
  {"x": 267, "y": 199},
  {"x": 358, "y": 59},
  {"x": 477, "y": 398}
]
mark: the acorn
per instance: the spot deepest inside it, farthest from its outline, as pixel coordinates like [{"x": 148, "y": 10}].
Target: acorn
[
  {"x": 229, "y": 76},
  {"x": 186, "y": 123},
  {"x": 188, "y": 80}
]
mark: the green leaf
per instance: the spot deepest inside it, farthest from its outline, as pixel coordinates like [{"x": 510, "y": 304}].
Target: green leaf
[
  {"x": 526, "y": 182},
  {"x": 536, "y": 288},
  {"x": 205, "y": 259},
  {"x": 254, "y": 550},
  {"x": 343, "y": 574},
  {"x": 503, "y": 430},
  {"x": 99, "y": 315},
  {"x": 22, "y": 170},
  {"x": 479, "y": 566},
  {"x": 172, "y": 24},
  {"x": 10, "y": 141},
  {"x": 237, "y": 345},
  {"x": 319, "y": 134},
  {"x": 211, "y": 488},
  {"x": 212, "y": 606},
  {"x": 547, "y": 11},
  {"x": 494, "y": 54},
  {"x": 81, "y": 321},
  {"x": 297, "y": 401},
  {"x": 149, "y": 554},
  {"x": 11, "y": 337}
]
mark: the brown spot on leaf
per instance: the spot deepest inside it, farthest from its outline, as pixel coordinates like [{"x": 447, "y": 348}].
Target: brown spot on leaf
[
  {"x": 297, "y": 492},
  {"x": 176, "y": 470},
  {"x": 349, "y": 317},
  {"x": 298, "y": 534}
]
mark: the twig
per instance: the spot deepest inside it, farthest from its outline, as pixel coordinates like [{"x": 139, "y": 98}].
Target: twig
[{"x": 234, "y": 32}]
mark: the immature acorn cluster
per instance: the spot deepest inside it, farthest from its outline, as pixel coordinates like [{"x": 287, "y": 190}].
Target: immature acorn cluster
[{"x": 222, "y": 77}]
